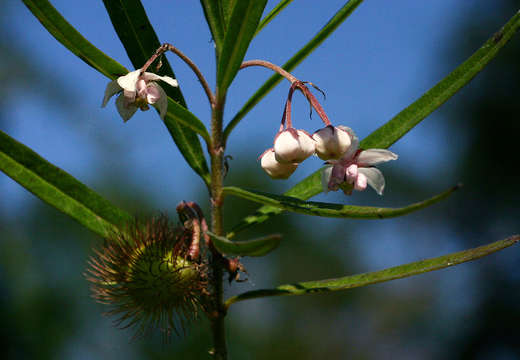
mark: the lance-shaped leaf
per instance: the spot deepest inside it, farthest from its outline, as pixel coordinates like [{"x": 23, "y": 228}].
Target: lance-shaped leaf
[
  {"x": 215, "y": 19},
  {"x": 329, "y": 209},
  {"x": 323, "y": 34},
  {"x": 59, "y": 189},
  {"x": 241, "y": 28},
  {"x": 256, "y": 247},
  {"x": 140, "y": 41},
  {"x": 397, "y": 272},
  {"x": 403, "y": 122},
  {"x": 272, "y": 14},
  {"x": 187, "y": 141}
]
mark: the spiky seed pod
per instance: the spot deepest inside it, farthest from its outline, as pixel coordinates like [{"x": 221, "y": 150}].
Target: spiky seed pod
[{"x": 145, "y": 275}]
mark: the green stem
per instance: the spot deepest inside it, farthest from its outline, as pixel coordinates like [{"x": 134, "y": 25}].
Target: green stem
[{"x": 217, "y": 175}]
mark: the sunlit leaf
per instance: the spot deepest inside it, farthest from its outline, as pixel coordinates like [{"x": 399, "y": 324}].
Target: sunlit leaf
[
  {"x": 397, "y": 272},
  {"x": 329, "y": 209},
  {"x": 59, "y": 189},
  {"x": 323, "y": 34},
  {"x": 256, "y": 247},
  {"x": 215, "y": 19},
  {"x": 272, "y": 14},
  {"x": 241, "y": 28},
  {"x": 403, "y": 122}
]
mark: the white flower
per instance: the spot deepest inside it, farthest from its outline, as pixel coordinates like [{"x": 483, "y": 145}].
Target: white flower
[
  {"x": 354, "y": 170},
  {"x": 275, "y": 169},
  {"x": 137, "y": 90},
  {"x": 332, "y": 141},
  {"x": 293, "y": 146}
]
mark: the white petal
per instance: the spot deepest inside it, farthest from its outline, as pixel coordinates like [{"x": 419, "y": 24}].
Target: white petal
[
  {"x": 162, "y": 102},
  {"x": 112, "y": 89},
  {"x": 125, "y": 109},
  {"x": 375, "y": 156},
  {"x": 128, "y": 81},
  {"x": 325, "y": 177},
  {"x": 154, "y": 77},
  {"x": 375, "y": 178}
]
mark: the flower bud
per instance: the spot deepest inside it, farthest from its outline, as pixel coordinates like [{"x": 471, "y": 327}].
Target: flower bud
[
  {"x": 275, "y": 169},
  {"x": 331, "y": 142},
  {"x": 293, "y": 146}
]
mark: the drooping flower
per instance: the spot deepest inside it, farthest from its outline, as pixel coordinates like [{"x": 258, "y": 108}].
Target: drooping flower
[
  {"x": 293, "y": 146},
  {"x": 332, "y": 141},
  {"x": 355, "y": 169},
  {"x": 138, "y": 90},
  {"x": 275, "y": 169}
]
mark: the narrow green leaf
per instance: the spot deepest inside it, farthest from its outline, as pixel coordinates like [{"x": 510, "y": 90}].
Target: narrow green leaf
[
  {"x": 58, "y": 188},
  {"x": 140, "y": 41},
  {"x": 256, "y": 247},
  {"x": 272, "y": 14},
  {"x": 403, "y": 122},
  {"x": 242, "y": 25},
  {"x": 323, "y": 34},
  {"x": 215, "y": 19},
  {"x": 332, "y": 210},
  {"x": 227, "y": 7},
  {"x": 186, "y": 140},
  {"x": 393, "y": 273}
]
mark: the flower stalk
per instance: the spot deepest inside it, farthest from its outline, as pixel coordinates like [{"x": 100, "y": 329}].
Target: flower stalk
[{"x": 169, "y": 47}]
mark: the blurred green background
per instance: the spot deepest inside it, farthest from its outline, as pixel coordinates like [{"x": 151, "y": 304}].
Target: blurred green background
[{"x": 379, "y": 61}]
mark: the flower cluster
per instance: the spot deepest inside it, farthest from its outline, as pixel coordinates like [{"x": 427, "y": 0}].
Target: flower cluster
[
  {"x": 348, "y": 167},
  {"x": 137, "y": 90}
]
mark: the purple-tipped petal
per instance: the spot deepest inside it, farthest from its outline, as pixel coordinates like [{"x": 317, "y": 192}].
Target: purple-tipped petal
[
  {"x": 374, "y": 178},
  {"x": 375, "y": 156},
  {"x": 161, "y": 103},
  {"x": 361, "y": 182},
  {"x": 351, "y": 173}
]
